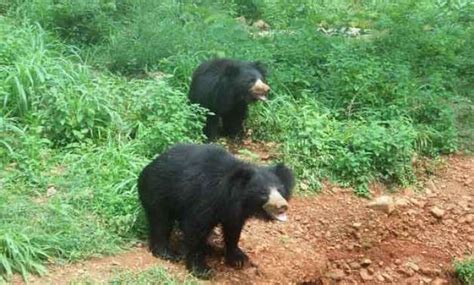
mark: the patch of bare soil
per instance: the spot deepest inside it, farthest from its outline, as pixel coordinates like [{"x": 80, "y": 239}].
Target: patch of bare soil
[{"x": 335, "y": 238}]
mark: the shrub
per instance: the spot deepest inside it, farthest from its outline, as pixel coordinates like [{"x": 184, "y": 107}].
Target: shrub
[{"x": 465, "y": 270}]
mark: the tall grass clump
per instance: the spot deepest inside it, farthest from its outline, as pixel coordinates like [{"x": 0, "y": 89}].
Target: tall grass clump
[
  {"x": 72, "y": 142},
  {"x": 84, "y": 22}
]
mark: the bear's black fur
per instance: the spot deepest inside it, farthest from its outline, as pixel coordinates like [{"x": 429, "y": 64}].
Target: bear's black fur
[
  {"x": 200, "y": 187},
  {"x": 226, "y": 87}
]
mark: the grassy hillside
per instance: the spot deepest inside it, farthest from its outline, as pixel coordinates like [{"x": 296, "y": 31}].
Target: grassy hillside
[{"x": 91, "y": 90}]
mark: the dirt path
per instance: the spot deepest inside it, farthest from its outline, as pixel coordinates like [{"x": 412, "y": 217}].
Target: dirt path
[{"x": 334, "y": 238}]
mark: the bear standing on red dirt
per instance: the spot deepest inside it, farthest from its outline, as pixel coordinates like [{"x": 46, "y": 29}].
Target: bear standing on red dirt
[
  {"x": 226, "y": 87},
  {"x": 201, "y": 187}
]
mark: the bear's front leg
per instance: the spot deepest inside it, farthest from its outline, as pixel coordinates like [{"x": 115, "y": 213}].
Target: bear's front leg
[
  {"x": 233, "y": 122},
  {"x": 234, "y": 255},
  {"x": 211, "y": 129}
]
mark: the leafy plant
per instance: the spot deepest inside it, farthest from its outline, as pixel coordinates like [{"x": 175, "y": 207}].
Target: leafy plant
[{"x": 465, "y": 270}]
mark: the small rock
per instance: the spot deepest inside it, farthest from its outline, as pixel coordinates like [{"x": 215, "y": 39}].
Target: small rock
[
  {"x": 387, "y": 277},
  {"x": 412, "y": 266},
  {"x": 448, "y": 222},
  {"x": 426, "y": 280},
  {"x": 430, "y": 184},
  {"x": 364, "y": 274},
  {"x": 420, "y": 204},
  {"x": 430, "y": 271},
  {"x": 365, "y": 262},
  {"x": 324, "y": 281},
  {"x": 406, "y": 271},
  {"x": 356, "y": 225},
  {"x": 439, "y": 281},
  {"x": 379, "y": 278},
  {"x": 437, "y": 212},
  {"x": 467, "y": 198},
  {"x": 464, "y": 205},
  {"x": 402, "y": 202},
  {"x": 354, "y": 265},
  {"x": 469, "y": 218},
  {"x": 382, "y": 203},
  {"x": 336, "y": 274},
  {"x": 346, "y": 268},
  {"x": 398, "y": 261}
]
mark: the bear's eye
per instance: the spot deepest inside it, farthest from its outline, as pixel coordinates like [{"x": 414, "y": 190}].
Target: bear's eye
[
  {"x": 263, "y": 194},
  {"x": 251, "y": 80}
]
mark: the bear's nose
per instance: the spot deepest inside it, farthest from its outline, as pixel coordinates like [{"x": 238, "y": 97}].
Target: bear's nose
[
  {"x": 265, "y": 88},
  {"x": 282, "y": 208}
]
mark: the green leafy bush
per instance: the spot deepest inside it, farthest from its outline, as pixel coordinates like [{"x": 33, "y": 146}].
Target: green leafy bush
[
  {"x": 72, "y": 143},
  {"x": 465, "y": 270},
  {"x": 352, "y": 152}
]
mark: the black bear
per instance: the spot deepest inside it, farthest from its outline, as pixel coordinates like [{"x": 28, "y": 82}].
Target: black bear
[
  {"x": 226, "y": 87},
  {"x": 199, "y": 187}
]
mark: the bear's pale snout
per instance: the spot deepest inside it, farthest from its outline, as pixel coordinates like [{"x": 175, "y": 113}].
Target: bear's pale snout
[
  {"x": 276, "y": 206},
  {"x": 260, "y": 90}
]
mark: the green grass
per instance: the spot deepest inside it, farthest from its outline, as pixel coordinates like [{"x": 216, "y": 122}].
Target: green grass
[
  {"x": 155, "y": 275},
  {"x": 465, "y": 270},
  {"x": 91, "y": 90},
  {"x": 72, "y": 144}
]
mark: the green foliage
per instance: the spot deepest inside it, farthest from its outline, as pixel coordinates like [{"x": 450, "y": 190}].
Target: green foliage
[
  {"x": 72, "y": 142},
  {"x": 351, "y": 105},
  {"x": 155, "y": 275},
  {"x": 465, "y": 270},
  {"x": 83, "y": 22},
  {"x": 352, "y": 152},
  {"x": 70, "y": 103}
]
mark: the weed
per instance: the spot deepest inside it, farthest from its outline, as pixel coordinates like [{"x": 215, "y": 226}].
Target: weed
[
  {"x": 155, "y": 275},
  {"x": 465, "y": 270}
]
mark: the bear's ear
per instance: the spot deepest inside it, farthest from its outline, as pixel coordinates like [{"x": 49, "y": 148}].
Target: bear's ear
[
  {"x": 261, "y": 67},
  {"x": 286, "y": 176},
  {"x": 241, "y": 176},
  {"x": 231, "y": 70}
]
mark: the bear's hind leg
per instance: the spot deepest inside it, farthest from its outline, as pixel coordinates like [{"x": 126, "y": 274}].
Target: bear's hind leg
[{"x": 160, "y": 227}]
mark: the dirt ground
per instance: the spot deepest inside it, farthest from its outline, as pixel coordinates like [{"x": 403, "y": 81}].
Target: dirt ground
[{"x": 336, "y": 238}]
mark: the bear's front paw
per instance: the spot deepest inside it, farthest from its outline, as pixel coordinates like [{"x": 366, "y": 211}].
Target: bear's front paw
[
  {"x": 166, "y": 253},
  {"x": 237, "y": 258},
  {"x": 201, "y": 270}
]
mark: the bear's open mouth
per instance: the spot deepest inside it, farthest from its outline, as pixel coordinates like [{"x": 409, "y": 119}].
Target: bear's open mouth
[
  {"x": 276, "y": 206},
  {"x": 261, "y": 97},
  {"x": 277, "y": 214},
  {"x": 282, "y": 217}
]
